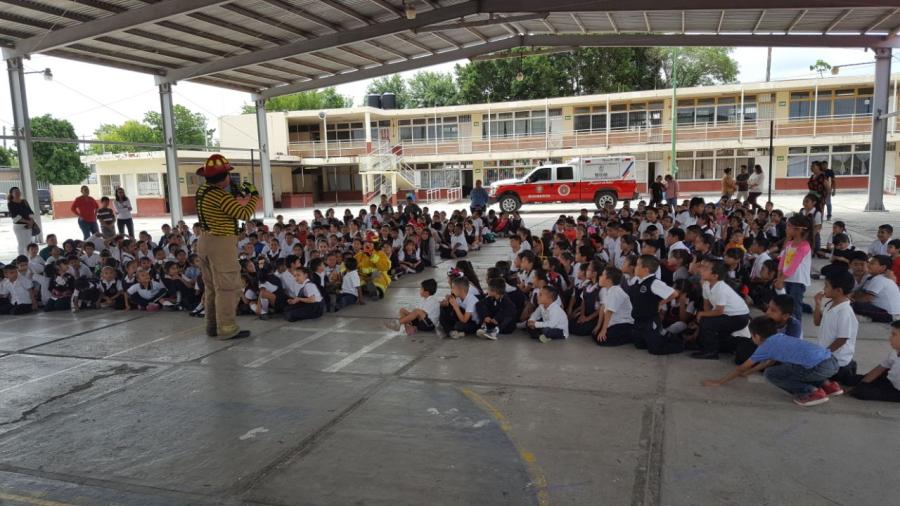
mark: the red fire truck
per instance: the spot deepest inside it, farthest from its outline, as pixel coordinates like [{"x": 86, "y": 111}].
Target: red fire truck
[{"x": 602, "y": 181}]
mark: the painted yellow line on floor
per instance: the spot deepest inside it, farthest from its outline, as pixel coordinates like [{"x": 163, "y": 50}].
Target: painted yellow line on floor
[
  {"x": 534, "y": 470},
  {"x": 21, "y": 499}
]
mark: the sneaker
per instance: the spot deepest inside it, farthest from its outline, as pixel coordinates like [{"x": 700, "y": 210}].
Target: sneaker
[
  {"x": 544, "y": 339},
  {"x": 392, "y": 325},
  {"x": 818, "y": 396},
  {"x": 832, "y": 388},
  {"x": 455, "y": 334},
  {"x": 482, "y": 333},
  {"x": 442, "y": 334},
  {"x": 152, "y": 307}
]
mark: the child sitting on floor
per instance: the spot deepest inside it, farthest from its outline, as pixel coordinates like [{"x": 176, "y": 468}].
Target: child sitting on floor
[
  {"x": 458, "y": 314},
  {"x": 616, "y": 325},
  {"x": 549, "y": 321},
  {"x": 803, "y": 368},
  {"x": 882, "y": 383},
  {"x": 497, "y": 311},
  {"x": 422, "y": 317}
]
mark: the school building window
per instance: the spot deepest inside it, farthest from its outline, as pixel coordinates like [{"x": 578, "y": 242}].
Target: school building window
[
  {"x": 519, "y": 123},
  {"x": 109, "y": 183},
  {"x": 346, "y": 132},
  {"x": 843, "y": 159},
  {"x": 431, "y": 129},
  {"x": 715, "y": 111},
  {"x": 831, "y": 103},
  {"x": 710, "y": 164},
  {"x": 148, "y": 184},
  {"x": 441, "y": 175}
]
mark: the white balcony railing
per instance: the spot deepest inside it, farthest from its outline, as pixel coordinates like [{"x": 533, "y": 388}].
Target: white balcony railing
[{"x": 643, "y": 135}]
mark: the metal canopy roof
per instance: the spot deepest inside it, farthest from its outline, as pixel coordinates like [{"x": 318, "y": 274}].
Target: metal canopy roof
[{"x": 273, "y": 47}]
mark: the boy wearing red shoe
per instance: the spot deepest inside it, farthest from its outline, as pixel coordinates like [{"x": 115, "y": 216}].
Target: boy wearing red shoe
[{"x": 803, "y": 368}]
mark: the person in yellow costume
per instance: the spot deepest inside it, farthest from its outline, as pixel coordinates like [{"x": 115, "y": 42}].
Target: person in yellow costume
[{"x": 373, "y": 266}]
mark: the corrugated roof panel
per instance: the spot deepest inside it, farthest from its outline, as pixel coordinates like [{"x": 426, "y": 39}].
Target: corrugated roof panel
[
  {"x": 817, "y": 20},
  {"x": 564, "y": 23},
  {"x": 700, "y": 21},
  {"x": 665, "y": 21},
  {"x": 596, "y": 21},
  {"x": 630, "y": 21},
  {"x": 777, "y": 21},
  {"x": 741, "y": 21}
]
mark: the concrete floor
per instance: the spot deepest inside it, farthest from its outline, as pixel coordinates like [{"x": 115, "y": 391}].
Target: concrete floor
[{"x": 142, "y": 409}]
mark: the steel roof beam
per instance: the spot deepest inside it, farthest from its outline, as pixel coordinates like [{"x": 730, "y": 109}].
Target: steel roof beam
[
  {"x": 656, "y": 5},
  {"x": 103, "y": 26},
  {"x": 628, "y": 40},
  {"x": 323, "y": 42},
  {"x": 412, "y": 64}
]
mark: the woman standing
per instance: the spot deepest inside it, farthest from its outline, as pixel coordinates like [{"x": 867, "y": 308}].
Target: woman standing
[
  {"x": 22, "y": 217},
  {"x": 123, "y": 211},
  {"x": 85, "y": 208}
]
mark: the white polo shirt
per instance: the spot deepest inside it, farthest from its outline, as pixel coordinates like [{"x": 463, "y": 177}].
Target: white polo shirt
[
  {"x": 839, "y": 321},
  {"x": 892, "y": 363},
  {"x": 17, "y": 291},
  {"x": 467, "y": 305},
  {"x": 886, "y": 294},
  {"x": 616, "y": 300},
  {"x": 721, "y": 294},
  {"x": 758, "y": 264},
  {"x": 350, "y": 283}
]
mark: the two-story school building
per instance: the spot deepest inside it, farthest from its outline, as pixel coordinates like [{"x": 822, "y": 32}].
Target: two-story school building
[{"x": 356, "y": 154}]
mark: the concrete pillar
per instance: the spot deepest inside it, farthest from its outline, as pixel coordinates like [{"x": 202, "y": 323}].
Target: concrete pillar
[
  {"x": 168, "y": 124},
  {"x": 262, "y": 133},
  {"x": 367, "y": 123},
  {"x": 879, "y": 129},
  {"x": 22, "y": 130}
]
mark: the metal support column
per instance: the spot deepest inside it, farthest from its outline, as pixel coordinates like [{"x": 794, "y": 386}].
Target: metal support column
[
  {"x": 22, "y": 131},
  {"x": 262, "y": 133},
  {"x": 879, "y": 129},
  {"x": 168, "y": 124}
]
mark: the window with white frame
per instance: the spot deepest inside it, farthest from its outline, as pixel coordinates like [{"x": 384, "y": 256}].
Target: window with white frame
[
  {"x": 432, "y": 129},
  {"x": 843, "y": 159},
  {"x": 518, "y": 123},
  {"x": 346, "y": 132},
  {"x": 831, "y": 103},
  {"x": 148, "y": 184},
  {"x": 441, "y": 175},
  {"x": 710, "y": 164},
  {"x": 715, "y": 111},
  {"x": 109, "y": 183}
]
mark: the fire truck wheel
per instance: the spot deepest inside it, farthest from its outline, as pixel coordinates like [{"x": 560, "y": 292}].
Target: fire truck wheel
[
  {"x": 509, "y": 203},
  {"x": 604, "y": 198}
]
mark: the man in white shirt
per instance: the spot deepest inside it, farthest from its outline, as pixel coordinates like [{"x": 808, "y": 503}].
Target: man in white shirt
[{"x": 725, "y": 312}]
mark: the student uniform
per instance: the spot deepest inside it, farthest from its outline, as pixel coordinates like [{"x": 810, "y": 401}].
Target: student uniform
[
  {"x": 839, "y": 321},
  {"x": 884, "y": 388},
  {"x": 140, "y": 296},
  {"x": 802, "y": 366},
  {"x": 716, "y": 332},
  {"x": 621, "y": 324},
  {"x": 590, "y": 296},
  {"x": 305, "y": 310},
  {"x": 431, "y": 305},
  {"x": 349, "y": 290},
  {"x": 61, "y": 288},
  {"x": 17, "y": 295},
  {"x": 885, "y": 304},
  {"x": 645, "y": 295},
  {"x": 550, "y": 321},
  {"x": 450, "y": 322},
  {"x": 503, "y": 310},
  {"x": 111, "y": 289}
]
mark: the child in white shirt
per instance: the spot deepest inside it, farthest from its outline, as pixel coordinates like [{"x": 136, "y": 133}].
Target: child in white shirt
[
  {"x": 351, "y": 286},
  {"x": 882, "y": 383},
  {"x": 549, "y": 320},
  {"x": 837, "y": 324},
  {"x": 425, "y": 316}
]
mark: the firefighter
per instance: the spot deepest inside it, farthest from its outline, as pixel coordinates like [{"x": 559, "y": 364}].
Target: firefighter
[{"x": 218, "y": 212}]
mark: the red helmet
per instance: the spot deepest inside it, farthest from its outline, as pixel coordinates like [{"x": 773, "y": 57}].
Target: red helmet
[{"x": 216, "y": 164}]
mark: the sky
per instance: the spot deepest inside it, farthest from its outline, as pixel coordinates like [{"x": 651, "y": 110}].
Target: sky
[{"x": 89, "y": 95}]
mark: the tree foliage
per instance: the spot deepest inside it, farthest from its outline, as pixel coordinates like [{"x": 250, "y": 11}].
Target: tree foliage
[
  {"x": 393, "y": 83},
  {"x": 130, "y": 131},
  {"x": 56, "y": 163},
  {"x": 8, "y": 157},
  {"x": 432, "y": 89},
  {"x": 698, "y": 66},
  {"x": 326, "y": 98},
  {"x": 821, "y": 66},
  {"x": 191, "y": 128}
]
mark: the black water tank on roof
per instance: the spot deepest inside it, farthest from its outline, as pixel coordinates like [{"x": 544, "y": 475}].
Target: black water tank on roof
[
  {"x": 388, "y": 101},
  {"x": 373, "y": 101}
]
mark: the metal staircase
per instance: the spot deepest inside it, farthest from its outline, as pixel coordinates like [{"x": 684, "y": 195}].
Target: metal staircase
[{"x": 386, "y": 158}]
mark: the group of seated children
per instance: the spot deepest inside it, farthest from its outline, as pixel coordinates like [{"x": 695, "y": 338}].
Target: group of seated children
[{"x": 674, "y": 282}]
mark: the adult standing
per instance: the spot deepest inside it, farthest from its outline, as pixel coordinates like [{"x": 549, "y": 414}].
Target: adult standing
[
  {"x": 85, "y": 208},
  {"x": 657, "y": 189},
  {"x": 218, "y": 213},
  {"x": 385, "y": 209},
  {"x": 671, "y": 192},
  {"x": 123, "y": 213},
  {"x": 411, "y": 211},
  {"x": 728, "y": 184},
  {"x": 478, "y": 198},
  {"x": 754, "y": 187},
  {"x": 743, "y": 185},
  {"x": 818, "y": 184},
  {"x": 829, "y": 174},
  {"x": 22, "y": 217}
]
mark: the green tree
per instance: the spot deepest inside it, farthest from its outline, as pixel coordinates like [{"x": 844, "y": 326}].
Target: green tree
[
  {"x": 191, "y": 128},
  {"x": 130, "y": 131},
  {"x": 327, "y": 98},
  {"x": 699, "y": 66},
  {"x": 57, "y": 163},
  {"x": 390, "y": 84},
  {"x": 432, "y": 89},
  {"x": 821, "y": 66},
  {"x": 8, "y": 157}
]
